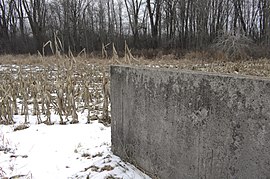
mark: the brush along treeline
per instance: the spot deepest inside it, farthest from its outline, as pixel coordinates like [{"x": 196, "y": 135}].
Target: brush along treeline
[{"x": 65, "y": 88}]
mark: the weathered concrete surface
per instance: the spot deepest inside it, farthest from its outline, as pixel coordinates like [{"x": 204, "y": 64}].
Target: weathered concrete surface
[{"x": 181, "y": 125}]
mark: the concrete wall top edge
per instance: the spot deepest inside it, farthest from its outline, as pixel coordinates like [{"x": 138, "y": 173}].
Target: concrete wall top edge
[{"x": 174, "y": 70}]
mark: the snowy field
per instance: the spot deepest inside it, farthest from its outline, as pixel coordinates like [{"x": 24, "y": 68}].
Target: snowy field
[
  {"x": 60, "y": 151},
  {"x": 62, "y": 92},
  {"x": 68, "y": 89}
]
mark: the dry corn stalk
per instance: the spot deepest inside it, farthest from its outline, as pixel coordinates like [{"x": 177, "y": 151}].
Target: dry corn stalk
[
  {"x": 14, "y": 100},
  {"x": 25, "y": 104},
  {"x": 106, "y": 95},
  {"x": 58, "y": 45},
  {"x": 6, "y": 107},
  {"x": 48, "y": 107},
  {"x": 104, "y": 51},
  {"x": 83, "y": 51},
  {"x": 70, "y": 54},
  {"x": 66, "y": 89},
  {"x": 36, "y": 110},
  {"x": 43, "y": 48},
  {"x": 115, "y": 55},
  {"x": 128, "y": 55},
  {"x": 60, "y": 99},
  {"x": 39, "y": 54}
]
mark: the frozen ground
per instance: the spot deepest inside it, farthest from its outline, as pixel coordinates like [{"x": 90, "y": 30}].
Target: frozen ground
[
  {"x": 56, "y": 151},
  {"x": 61, "y": 151}
]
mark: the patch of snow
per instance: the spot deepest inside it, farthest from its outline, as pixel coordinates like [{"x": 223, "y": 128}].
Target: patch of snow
[{"x": 61, "y": 151}]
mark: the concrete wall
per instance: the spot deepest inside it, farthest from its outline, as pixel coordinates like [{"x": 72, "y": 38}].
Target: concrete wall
[{"x": 182, "y": 124}]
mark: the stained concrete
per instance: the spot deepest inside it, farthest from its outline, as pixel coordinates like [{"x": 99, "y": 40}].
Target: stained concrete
[{"x": 183, "y": 124}]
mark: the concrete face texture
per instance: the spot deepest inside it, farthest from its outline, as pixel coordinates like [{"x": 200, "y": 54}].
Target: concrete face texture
[{"x": 182, "y": 124}]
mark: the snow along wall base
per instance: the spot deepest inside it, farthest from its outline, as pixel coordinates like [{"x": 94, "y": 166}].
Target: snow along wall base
[{"x": 184, "y": 124}]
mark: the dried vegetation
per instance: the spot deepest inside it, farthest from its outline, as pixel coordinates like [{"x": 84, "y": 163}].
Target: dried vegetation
[
  {"x": 41, "y": 86},
  {"x": 259, "y": 67}
]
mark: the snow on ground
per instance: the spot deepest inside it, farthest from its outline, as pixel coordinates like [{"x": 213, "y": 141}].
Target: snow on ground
[{"x": 61, "y": 151}]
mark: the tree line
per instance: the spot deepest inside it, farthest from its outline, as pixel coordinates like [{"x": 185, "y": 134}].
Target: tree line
[{"x": 26, "y": 25}]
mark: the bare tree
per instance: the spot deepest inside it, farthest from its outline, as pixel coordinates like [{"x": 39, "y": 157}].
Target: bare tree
[
  {"x": 133, "y": 9},
  {"x": 36, "y": 11},
  {"x": 239, "y": 14},
  {"x": 4, "y": 21},
  {"x": 170, "y": 20},
  {"x": 171, "y": 24},
  {"x": 20, "y": 12},
  {"x": 154, "y": 9}
]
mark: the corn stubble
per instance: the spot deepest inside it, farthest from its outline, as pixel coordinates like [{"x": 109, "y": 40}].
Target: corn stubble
[
  {"x": 65, "y": 85},
  {"x": 65, "y": 88}
]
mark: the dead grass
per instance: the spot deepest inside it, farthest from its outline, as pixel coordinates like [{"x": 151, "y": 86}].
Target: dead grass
[{"x": 198, "y": 61}]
